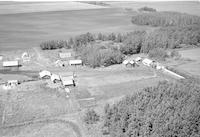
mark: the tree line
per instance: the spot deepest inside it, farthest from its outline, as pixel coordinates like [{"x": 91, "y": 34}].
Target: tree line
[{"x": 165, "y": 19}]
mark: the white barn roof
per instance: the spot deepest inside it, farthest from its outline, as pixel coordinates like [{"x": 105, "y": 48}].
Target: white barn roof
[
  {"x": 11, "y": 63},
  {"x": 55, "y": 77},
  {"x": 75, "y": 62},
  {"x": 63, "y": 55},
  {"x": 44, "y": 73}
]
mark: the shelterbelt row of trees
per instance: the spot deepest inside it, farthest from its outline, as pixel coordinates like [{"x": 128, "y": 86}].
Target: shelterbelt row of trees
[{"x": 169, "y": 109}]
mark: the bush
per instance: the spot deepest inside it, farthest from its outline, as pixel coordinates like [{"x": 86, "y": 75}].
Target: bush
[
  {"x": 169, "y": 109},
  {"x": 91, "y": 117},
  {"x": 165, "y": 19},
  {"x": 133, "y": 42},
  {"x": 158, "y": 54},
  {"x": 49, "y": 45},
  {"x": 175, "y": 54},
  {"x": 96, "y": 56},
  {"x": 147, "y": 9}
]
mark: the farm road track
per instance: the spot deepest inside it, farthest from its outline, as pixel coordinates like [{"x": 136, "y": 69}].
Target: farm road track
[
  {"x": 41, "y": 60},
  {"x": 66, "y": 119}
]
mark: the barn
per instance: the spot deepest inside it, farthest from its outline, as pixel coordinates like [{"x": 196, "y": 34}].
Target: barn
[
  {"x": 11, "y": 63},
  {"x": 68, "y": 81},
  {"x": 75, "y": 62},
  {"x": 45, "y": 74},
  {"x": 64, "y": 55}
]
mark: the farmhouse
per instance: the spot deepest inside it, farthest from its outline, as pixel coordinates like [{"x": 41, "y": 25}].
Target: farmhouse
[
  {"x": 55, "y": 78},
  {"x": 68, "y": 81},
  {"x": 75, "y": 62},
  {"x": 147, "y": 62},
  {"x": 129, "y": 63},
  {"x": 45, "y": 74},
  {"x": 64, "y": 55},
  {"x": 11, "y": 63},
  {"x": 25, "y": 57}
]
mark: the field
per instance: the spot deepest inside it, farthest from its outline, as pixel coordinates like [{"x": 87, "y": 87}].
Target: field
[{"x": 190, "y": 7}]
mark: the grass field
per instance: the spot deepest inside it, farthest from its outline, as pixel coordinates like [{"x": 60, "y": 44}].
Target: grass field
[
  {"x": 25, "y": 30},
  {"x": 190, "y": 7}
]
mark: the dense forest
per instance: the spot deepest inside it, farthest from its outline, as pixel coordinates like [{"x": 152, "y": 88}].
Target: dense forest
[
  {"x": 169, "y": 109},
  {"x": 165, "y": 19}
]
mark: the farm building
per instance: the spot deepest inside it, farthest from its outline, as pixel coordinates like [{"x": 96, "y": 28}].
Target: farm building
[
  {"x": 138, "y": 59},
  {"x": 11, "y": 63},
  {"x": 59, "y": 63},
  {"x": 75, "y": 62},
  {"x": 64, "y": 55},
  {"x": 55, "y": 78},
  {"x": 45, "y": 74},
  {"x": 68, "y": 81},
  {"x": 129, "y": 63},
  {"x": 147, "y": 62},
  {"x": 25, "y": 57}
]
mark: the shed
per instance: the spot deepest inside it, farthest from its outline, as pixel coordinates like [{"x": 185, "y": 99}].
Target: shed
[
  {"x": 138, "y": 59},
  {"x": 59, "y": 63},
  {"x": 12, "y": 82},
  {"x": 55, "y": 78},
  {"x": 64, "y": 55},
  {"x": 75, "y": 62},
  {"x": 68, "y": 81},
  {"x": 11, "y": 63},
  {"x": 147, "y": 62},
  {"x": 25, "y": 57},
  {"x": 45, "y": 74}
]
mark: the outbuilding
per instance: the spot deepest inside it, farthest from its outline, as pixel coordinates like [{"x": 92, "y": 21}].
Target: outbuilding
[
  {"x": 64, "y": 55},
  {"x": 45, "y": 74},
  {"x": 75, "y": 62},
  {"x": 55, "y": 78},
  {"x": 129, "y": 63},
  {"x": 147, "y": 62},
  {"x": 11, "y": 63},
  {"x": 68, "y": 81}
]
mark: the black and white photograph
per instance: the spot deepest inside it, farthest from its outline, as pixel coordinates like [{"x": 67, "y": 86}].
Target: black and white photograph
[{"x": 100, "y": 68}]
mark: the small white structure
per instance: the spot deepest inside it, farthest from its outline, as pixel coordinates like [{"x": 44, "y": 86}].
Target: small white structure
[
  {"x": 13, "y": 82},
  {"x": 159, "y": 66},
  {"x": 59, "y": 63},
  {"x": 129, "y": 63},
  {"x": 64, "y": 55},
  {"x": 147, "y": 62},
  {"x": 10, "y": 84},
  {"x": 55, "y": 78},
  {"x": 125, "y": 62},
  {"x": 45, "y": 74},
  {"x": 25, "y": 57},
  {"x": 67, "y": 81},
  {"x": 138, "y": 59},
  {"x": 75, "y": 62},
  {"x": 11, "y": 63}
]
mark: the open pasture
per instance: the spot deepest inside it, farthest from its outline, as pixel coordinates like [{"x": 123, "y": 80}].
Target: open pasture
[
  {"x": 193, "y": 66},
  {"x": 190, "y": 7}
]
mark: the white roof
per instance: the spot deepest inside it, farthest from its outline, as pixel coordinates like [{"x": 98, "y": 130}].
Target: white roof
[
  {"x": 75, "y": 62},
  {"x": 11, "y": 63},
  {"x": 147, "y": 61},
  {"x": 125, "y": 62},
  {"x": 12, "y": 81},
  {"x": 66, "y": 81},
  {"x": 44, "y": 73},
  {"x": 138, "y": 59},
  {"x": 65, "y": 55},
  {"x": 55, "y": 77}
]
